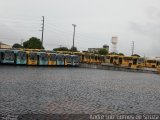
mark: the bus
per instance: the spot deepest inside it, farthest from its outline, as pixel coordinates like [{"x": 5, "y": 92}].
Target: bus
[
  {"x": 32, "y": 58},
  {"x": 158, "y": 63},
  {"x": 21, "y": 57},
  {"x": 158, "y": 66},
  {"x": 113, "y": 59},
  {"x": 42, "y": 58},
  {"x": 102, "y": 59},
  {"x": 107, "y": 59},
  {"x": 60, "y": 59},
  {"x": 150, "y": 63},
  {"x": 140, "y": 62},
  {"x": 7, "y": 57},
  {"x": 68, "y": 60},
  {"x": 75, "y": 60},
  {"x": 0, "y": 55},
  {"x": 52, "y": 58},
  {"x": 128, "y": 61},
  {"x": 80, "y": 56},
  {"x": 93, "y": 59},
  {"x": 86, "y": 58}
]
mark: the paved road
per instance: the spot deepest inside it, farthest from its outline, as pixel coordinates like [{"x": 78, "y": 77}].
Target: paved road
[{"x": 77, "y": 90}]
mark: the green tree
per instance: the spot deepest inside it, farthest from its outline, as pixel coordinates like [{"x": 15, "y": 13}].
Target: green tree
[
  {"x": 61, "y": 49},
  {"x": 113, "y": 53},
  {"x": 121, "y": 54},
  {"x": 136, "y": 55},
  {"x": 103, "y": 51},
  {"x": 16, "y": 45},
  {"x": 33, "y": 43},
  {"x": 74, "y": 49}
]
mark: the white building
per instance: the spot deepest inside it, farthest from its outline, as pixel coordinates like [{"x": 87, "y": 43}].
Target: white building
[{"x": 2, "y": 45}]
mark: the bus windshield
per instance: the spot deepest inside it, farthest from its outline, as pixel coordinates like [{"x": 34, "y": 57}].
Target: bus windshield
[
  {"x": 33, "y": 56},
  {"x": 9, "y": 56}
]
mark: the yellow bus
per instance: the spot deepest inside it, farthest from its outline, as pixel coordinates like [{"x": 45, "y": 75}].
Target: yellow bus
[
  {"x": 113, "y": 59},
  {"x": 51, "y": 58},
  {"x": 85, "y": 57},
  {"x": 158, "y": 63},
  {"x": 128, "y": 61},
  {"x": 140, "y": 62},
  {"x": 97, "y": 59},
  {"x": 158, "y": 66},
  {"x": 93, "y": 59},
  {"x": 150, "y": 63},
  {"x": 102, "y": 59},
  {"x": 32, "y": 58},
  {"x": 107, "y": 59}
]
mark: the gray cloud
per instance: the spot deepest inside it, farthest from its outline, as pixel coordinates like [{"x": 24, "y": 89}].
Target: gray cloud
[{"x": 97, "y": 21}]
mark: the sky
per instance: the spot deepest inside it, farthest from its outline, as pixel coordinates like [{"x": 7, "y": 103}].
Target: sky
[{"x": 97, "y": 21}]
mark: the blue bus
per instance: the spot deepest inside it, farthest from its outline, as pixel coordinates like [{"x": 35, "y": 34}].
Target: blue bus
[
  {"x": 21, "y": 57},
  {"x": 60, "y": 59},
  {"x": 7, "y": 57},
  {"x": 42, "y": 58}
]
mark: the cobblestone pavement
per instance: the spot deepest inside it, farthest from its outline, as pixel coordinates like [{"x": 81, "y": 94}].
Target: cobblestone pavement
[{"x": 77, "y": 90}]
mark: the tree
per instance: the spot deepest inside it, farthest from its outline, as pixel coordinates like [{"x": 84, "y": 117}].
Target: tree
[
  {"x": 33, "y": 43},
  {"x": 113, "y": 53},
  {"x": 136, "y": 55},
  {"x": 61, "y": 49},
  {"x": 74, "y": 49},
  {"x": 121, "y": 54},
  {"x": 103, "y": 51},
  {"x": 16, "y": 45}
]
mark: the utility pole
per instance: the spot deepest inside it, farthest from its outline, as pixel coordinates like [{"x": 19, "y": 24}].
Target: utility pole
[
  {"x": 21, "y": 42},
  {"x": 132, "y": 47},
  {"x": 74, "y": 25},
  {"x": 42, "y": 29}
]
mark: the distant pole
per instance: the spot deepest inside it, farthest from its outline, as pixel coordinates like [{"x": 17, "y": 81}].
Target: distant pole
[
  {"x": 132, "y": 47},
  {"x": 21, "y": 42},
  {"x": 42, "y": 29},
  {"x": 73, "y": 37}
]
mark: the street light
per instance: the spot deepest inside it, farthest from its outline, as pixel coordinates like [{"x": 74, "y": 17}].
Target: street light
[{"x": 74, "y": 25}]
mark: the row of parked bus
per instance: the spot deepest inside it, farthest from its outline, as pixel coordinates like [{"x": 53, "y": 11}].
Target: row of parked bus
[
  {"x": 120, "y": 60},
  {"x": 41, "y": 57},
  {"x": 35, "y": 57}
]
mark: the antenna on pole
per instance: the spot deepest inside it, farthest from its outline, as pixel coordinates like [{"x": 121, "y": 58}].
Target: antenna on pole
[{"x": 42, "y": 29}]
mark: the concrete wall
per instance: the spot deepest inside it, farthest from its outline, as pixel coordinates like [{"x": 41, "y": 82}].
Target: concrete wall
[{"x": 116, "y": 68}]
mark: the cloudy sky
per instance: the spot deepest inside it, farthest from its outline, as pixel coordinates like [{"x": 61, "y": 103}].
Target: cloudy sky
[{"x": 97, "y": 21}]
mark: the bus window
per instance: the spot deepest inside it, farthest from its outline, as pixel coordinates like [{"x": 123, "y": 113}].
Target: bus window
[
  {"x": 21, "y": 55},
  {"x": 53, "y": 57},
  {"x": 33, "y": 56},
  {"x": 134, "y": 61},
  {"x": 111, "y": 60}
]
